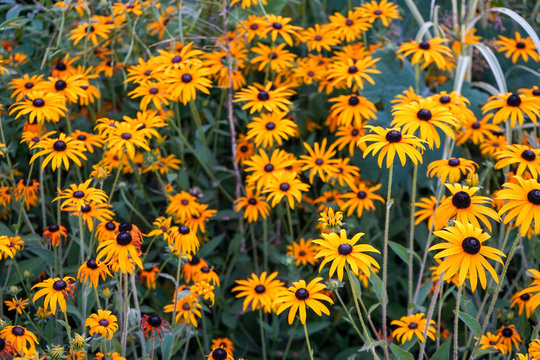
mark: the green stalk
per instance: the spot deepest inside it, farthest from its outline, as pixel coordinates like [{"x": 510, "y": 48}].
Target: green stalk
[
  {"x": 117, "y": 176},
  {"x": 496, "y": 293},
  {"x": 307, "y": 342},
  {"x": 263, "y": 340},
  {"x": 385, "y": 260},
  {"x": 178, "y": 267},
  {"x": 411, "y": 239},
  {"x": 348, "y": 313},
  {"x": 289, "y": 218},
  {"x": 456, "y": 322}
]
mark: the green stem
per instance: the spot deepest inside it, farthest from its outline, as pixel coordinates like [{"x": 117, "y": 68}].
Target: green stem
[
  {"x": 198, "y": 123},
  {"x": 496, "y": 293},
  {"x": 456, "y": 322},
  {"x": 411, "y": 239},
  {"x": 265, "y": 239},
  {"x": 201, "y": 349},
  {"x": 178, "y": 267},
  {"x": 385, "y": 260},
  {"x": 289, "y": 342},
  {"x": 68, "y": 329},
  {"x": 307, "y": 342},
  {"x": 348, "y": 313},
  {"x": 125, "y": 316},
  {"x": 263, "y": 340},
  {"x": 117, "y": 176},
  {"x": 289, "y": 219}
]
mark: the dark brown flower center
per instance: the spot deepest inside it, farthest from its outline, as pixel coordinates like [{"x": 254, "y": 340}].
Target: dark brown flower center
[
  {"x": 184, "y": 230},
  {"x": 124, "y": 238},
  {"x": 254, "y": 27},
  {"x": 18, "y": 331},
  {"x": 507, "y": 332},
  {"x": 353, "y": 100},
  {"x": 534, "y": 196},
  {"x": 352, "y": 70},
  {"x": 525, "y": 297},
  {"x": 301, "y": 294},
  {"x": 284, "y": 187},
  {"x": 536, "y": 92},
  {"x": 103, "y": 322},
  {"x": 413, "y": 325},
  {"x": 270, "y": 126},
  {"x": 59, "y": 145},
  {"x": 61, "y": 66},
  {"x": 513, "y": 100},
  {"x": 377, "y": 12},
  {"x": 319, "y": 161},
  {"x": 471, "y": 245},
  {"x": 92, "y": 264},
  {"x": 147, "y": 72},
  {"x": 29, "y": 85},
  {"x": 126, "y": 136},
  {"x": 361, "y": 194},
  {"x": 349, "y": 22},
  {"x": 205, "y": 269},
  {"x": 263, "y": 95},
  {"x": 243, "y": 148},
  {"x": 444, "y": 99},
  {"x": 194, "y": 260},
  {"x": 268, "y": 167},
  {"x": 259, "y": 289},
  {"x": 252, "y": 201},
  {"x": 186, "y": 78},
  {"x": 78, "y": 194},
  {"x": 176, "y": 59},
  {"x": 302, "y": 253},
  {"x": 344, "y": 249},
  {"x": 60, "y": 85},
  {"x": 424, "y": 45},
  {"x": 393, "y": 136},
  {"x": 355, "y": 132},
  {"x": 153, "y": 90},
  {"x": 59, "y": 285},
  {"x": 53, "y": 228},
  {"x": 318, "y": 37},
  {"x": 219, "y": 354},
  {"x": 520, "y": 45},
  {"x": 476, "y": 125},
  {"x": 81, "y": 137},
  {"x": 528, "y": 155},
  {"x": 38, "y": 102},
  {"x": 461, "y": 200},
  {"x": 453, "y": 162},
  {"x": 125, "y": 226},
  {"x": 186, "y": 306},
  {"x": 85, "y": 208},
  {"x": 424, "y": 114},
  {"x": 277, "y": 26},
  {"x": 110, "y": 226},
  {"x": 154, "y": 321}
]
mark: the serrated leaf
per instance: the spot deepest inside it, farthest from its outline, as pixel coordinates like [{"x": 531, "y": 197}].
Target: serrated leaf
[{"x": 471, "y": 323}]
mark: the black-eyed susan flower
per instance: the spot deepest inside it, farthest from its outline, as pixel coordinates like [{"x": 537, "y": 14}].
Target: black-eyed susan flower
[
  {"x": 59, "y": 151},
  {"x": 280, "y": 26},
  {"x": 263, "y": 166},
  {"x": 476, "y": 130},
  {"x": 247, "y": 3},
  {"x": 25, "y": 85},
  {"x": 493, "y": 143},
  {"x": 186, "y": 80},
  {"x": 330, "y": 219},
  {"x": 269, "y": 97},
  {"x": 391, "y": 142},
  {"x": 94, "y": 31},
  {"x": 103, "y": 323},
  {"x": 89, "y": 140},
  {"x": 69, "y": 87},
  {"x": 90, "y": 272},
  {"x": 513, "y": 107},
  {"x": 319, "y": 161},
  {"x": 91, "y": 212},
  {"x": 271, "y": 128},
  {"x": 5, "y": 249},
  {"x": 188, "y": 309},
  {"x": 349, "y": 136},
  {"x": 153, "y": 326},
  {"x": 451, "y": 169},
  {"x": 244, "y": 149},
  {"x": 319, "y": 37},
  {"x": 509, "y": 338},
  {"x": 302, "y": 295},
  {"x": 534, "y": 349},
  {"x": 17, "y": 305},
  {"x": 521, "y": 300},
  {"x": 220, "y": 353},
  {"x": 183, "y": 206},
  {"x": 22, "y": 339},
  {"x": 207, "y": 274},
  {"x": 259, "y": 291},
  {"x": 183, "y": 239},
  {"x": 303, "y": 251},
  {"x": 80, "y": 194},
  {"x": 40, "y": 107},
  {"x": 491, "y": 341},
  {"x": 27, "y": 190},
  {"x": 277, "y": 58},
  {"x": 149, "y": 277},
  {"x": 56, "y": 291},
  {"x": 353, "y": 72},
  {"x": 426, "y": 209},
  {"x": 464, "y": 253},
  {"x": 427, "y": 52},
  {"x": 522, "y": 204},
  {"x": 155, "y": 93},
  {"x": 520, "y": 47},
  {"x": 253, "y": 204},
  {"x": 126, "y": 137},
  {"x": 522, "y": 156},
  {"x": 413, "y": 325},
  {"x": 343, "y": 252},
  {"x": 360, "y": 198},
  {"x": 350, "y": 27},
  {"x": 352, "y": 110},
  {"x": 121, "y": 250},
  {"x": 192, "y": 267},
  {"x": 465, "y": 206},
  {"x": 384, "y": 10},
  {"x": 425, "y": 116},
  {"x": 6, "y": 349},
  {"x": 285, "y": 185},
  {"x": 224, "y": 343}
]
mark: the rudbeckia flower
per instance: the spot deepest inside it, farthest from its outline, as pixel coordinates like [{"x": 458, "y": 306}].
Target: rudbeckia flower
[
  {"x": 522, "y": 156},
  {"x": 40, "y": 107},
  {"x": 427, "y": 52},
  {"x": 259, "y": 291},
  {"x": 285, "y": 185},
  {"x": 451, "y": 169},
  {"x": 269, "y": 97},
  {"x": 522, "y": 204},
  {"x": 517, "y": 48},
  {"x": 384, "y": 10},
  {"x": 59, "y": 151},
  {"x": 509, "y": 338},
  {"x": 360, "y": 198},
  {"x": 270, "y": 128},
  {"x": 513, "y": 107},
  {"x": 413, "y": 325},
  {"x": 303, "y": 252},
  {"x": 55, "y": 291},
  {"x": 103, "y": 323},
  {"x": 20, "y": 338}
]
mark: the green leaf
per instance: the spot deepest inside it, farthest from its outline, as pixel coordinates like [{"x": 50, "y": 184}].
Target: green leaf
[
  {"x": 471, "y": 323},
  {"x": 522, "y": 22},
  {"x": 275, "y": 6},
  {"x": 211, "y": 245},
  {"x": 402, "y": 252},
  {"x": 400, "y": 353},
  {"x": 494, "y": 65},
  {"x": 377, "y": 286},
  {"x": 444, "y": 351}
]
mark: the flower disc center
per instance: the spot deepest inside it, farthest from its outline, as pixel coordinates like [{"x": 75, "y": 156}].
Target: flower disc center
[
  {"x": 301, "y": 294},
  {"x": 344, "y": 249},
  {"x": 471, "y": 245},
  {"x": 461, "y": 200}
]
